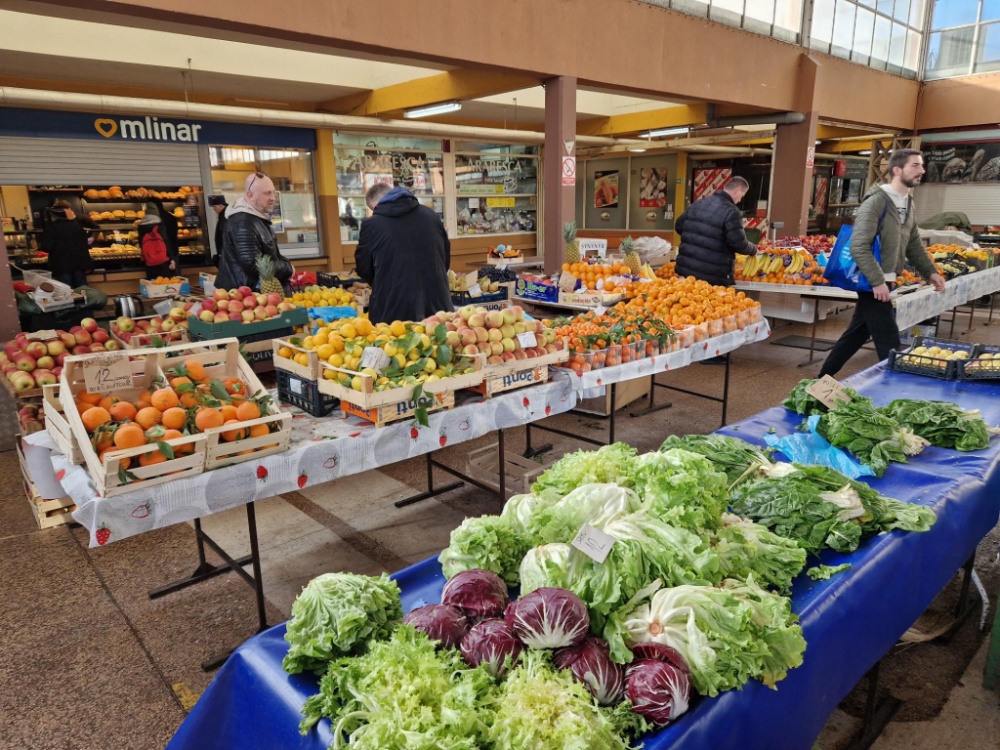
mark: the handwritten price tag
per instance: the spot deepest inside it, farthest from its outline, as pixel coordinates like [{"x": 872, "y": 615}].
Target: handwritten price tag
[
  {"x": 475, "y": 291},
  {"x": 828, "y": 392},
  {"x": 567, "y": 281},
  {"x": 107, "y": 373},
  {"x": 527, "y": 340},
  {"x": 42, "y": 335},
  {"x": 374, "y": 358},
  {"x": 471, "y": 279},
  {"x": 593, "y": 543},
  {"x": 600, "y": 310}
]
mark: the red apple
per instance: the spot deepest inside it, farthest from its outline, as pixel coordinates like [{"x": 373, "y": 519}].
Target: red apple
[
  {"x": 223, "y": 305},
  {"x": 209, "y": 305},
  {"x": 219, "y": 294},
  {"x": 271, "y": 311},
  {"x": 235, "y": 315},
  {"x": 236, "y": 306},
  {"x": 45, "y": 363},
  {"x": 220, "y": 317},
  {"x": 68, "y": 339},
  {"x": 36, "y": 349},
  {"x": 250, "y": 302},
  {"x": 25, "y": 362},
  {"x": 124, "y": 336},
  {"x": 101, "y": 336},
  {"x": 260, "y": 313},
  {"x": 245, "y": 291},
  {"x": 273, "y": 298},
  {"x": 89, "y": 324},
  {"x": 248, "y": 316},
  {"x": 235, "y": 294},
  {"x": 57, "y": 371},
  {"x": 97, "y": 348},
  {"x": 55, "y": 347},
  {"x": 123, "y": 323}
]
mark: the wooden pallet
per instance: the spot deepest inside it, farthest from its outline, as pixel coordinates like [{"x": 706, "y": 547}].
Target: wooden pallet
[
  {"x": 57, "y": 425},
  {"x": 120, "y": 471},
  {"x": 47, "y": 513},
  {"x": 221, "y": 359}
]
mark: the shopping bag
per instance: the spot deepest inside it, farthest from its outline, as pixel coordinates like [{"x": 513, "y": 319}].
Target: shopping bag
[
  {"x": 841, "y": 269},
  {"x": 812, "y": 448}
]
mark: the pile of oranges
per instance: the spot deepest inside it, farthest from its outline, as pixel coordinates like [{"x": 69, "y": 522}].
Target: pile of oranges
[
  {"x": 167, "y": 280},
  {"x": 613, "y": 338},
  {"x": 666, "y": 271},
  {"x": 683, "y": 301},
  {"x": 589, "y": 274},
  {"x": 188, "y": 403}
]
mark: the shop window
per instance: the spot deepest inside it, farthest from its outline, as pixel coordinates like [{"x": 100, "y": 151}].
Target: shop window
[
  {"x": 363, "y": 161},
  {"x": 950, "y": 53},
  {"x": 294, "y": 217},
  {"x": 988, "y": 51},
  {"x": 496, "y": 188},
  {"x": 966, "y": 38}
]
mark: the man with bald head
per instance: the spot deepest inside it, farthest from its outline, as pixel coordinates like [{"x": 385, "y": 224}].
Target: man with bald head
[{"x": 248, "y": 235}]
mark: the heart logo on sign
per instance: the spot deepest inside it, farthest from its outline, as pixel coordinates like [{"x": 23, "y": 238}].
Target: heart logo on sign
[{"x": 106, "y": 127}]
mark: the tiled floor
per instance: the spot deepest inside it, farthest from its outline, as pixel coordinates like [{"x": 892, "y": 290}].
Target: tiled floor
[{"x": 90, "y": 662}]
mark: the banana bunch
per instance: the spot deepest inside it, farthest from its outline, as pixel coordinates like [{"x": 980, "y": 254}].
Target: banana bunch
[
  {"x": 798, "y": 263},
  {"x": 765, "y": 264},
  {"x": 647, "y": 272}
]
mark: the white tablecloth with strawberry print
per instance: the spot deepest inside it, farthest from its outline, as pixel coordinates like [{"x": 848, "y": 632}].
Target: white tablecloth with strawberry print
[
  {"x": 923, "y": 304},
  {"x": 322, "y": 450}
]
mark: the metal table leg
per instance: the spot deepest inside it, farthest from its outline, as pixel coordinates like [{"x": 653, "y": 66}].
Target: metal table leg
[
  {"x": 993, "y": 300},
  {"x": 530, "y": 452},
  {"x": 611, "y": 422},
  {"x": 203, "y": 572},
  {"x": 431, "y": 490},
  {"x": 725, "y": 388},
  {"x": 991, "y": 676},
  {"x": 812, "y": 339},
  {"x": 972, "y": 314},
  {"x": 877, "y": 715},
  {"x": 653, "y": 406}
]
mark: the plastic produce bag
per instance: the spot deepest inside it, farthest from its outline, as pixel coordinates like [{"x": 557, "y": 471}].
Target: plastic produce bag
[
  {"x": 812, "y": 448},
  {"x": 330, "y": 314}
]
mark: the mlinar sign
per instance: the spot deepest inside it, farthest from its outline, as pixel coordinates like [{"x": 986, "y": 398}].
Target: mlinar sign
[{"x": 148, "y": 129}]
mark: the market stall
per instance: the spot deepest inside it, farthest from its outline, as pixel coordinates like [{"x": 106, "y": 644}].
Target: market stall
[{"x": 848, "y": 622}]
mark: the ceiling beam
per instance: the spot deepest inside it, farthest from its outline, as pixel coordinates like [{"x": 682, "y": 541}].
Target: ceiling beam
[
  {"x": 669, "y": 117},
  {"x": 455, "y": 85}
]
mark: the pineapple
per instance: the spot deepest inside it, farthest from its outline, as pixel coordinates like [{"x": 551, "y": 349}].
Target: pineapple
[
  {"x": 631, "y": 256},
  {"x": 572, "y": 250},
  {"x": 265, "y": 269}
]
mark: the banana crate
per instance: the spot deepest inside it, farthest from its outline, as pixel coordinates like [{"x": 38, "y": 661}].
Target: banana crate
[
  {"x": 229, "y": 445},
  {"x": 115, "y": 472}
]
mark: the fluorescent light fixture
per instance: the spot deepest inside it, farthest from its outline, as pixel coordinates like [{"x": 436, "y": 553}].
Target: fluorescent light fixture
[
  {"x": 432, "y": 109},
  {"x": 818, "y": 142},
  {"x": 665, "y": 131},
  {"x": 637, "y": 150},
  {"x": 864, "y": 153}
]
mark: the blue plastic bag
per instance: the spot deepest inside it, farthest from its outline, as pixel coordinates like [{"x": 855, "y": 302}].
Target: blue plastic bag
[
  {"x": 812, "y": 448},
  {"x": 841, "y": 269},
  {"x": 330, "y": 314}
]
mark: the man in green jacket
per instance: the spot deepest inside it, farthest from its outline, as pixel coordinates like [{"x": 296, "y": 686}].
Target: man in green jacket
[{"x": 887, "y": 211}]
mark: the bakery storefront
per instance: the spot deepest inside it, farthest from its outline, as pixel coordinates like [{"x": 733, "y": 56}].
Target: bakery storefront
[{"x": 115, "y": 169}]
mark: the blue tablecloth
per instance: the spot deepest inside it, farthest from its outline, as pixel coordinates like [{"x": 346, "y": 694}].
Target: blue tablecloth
[{"x": 849, "y": 621}]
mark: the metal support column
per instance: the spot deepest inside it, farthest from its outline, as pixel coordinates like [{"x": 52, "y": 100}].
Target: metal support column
[{"x": 877, "y": 715}]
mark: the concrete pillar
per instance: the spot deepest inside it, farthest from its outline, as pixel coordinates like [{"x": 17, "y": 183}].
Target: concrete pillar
[
  {"x": 327, "y": 205},
  {"x": 558, "y": 201}
]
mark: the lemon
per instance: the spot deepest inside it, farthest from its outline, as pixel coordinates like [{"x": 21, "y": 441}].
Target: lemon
[
  {"x": 330, "y": 374},
  {"x": 285, "y": 352},
  {"x": 348, "y": 331},
  {"x": 364, "y": 327},
  {"x": 413, "y": 355},
  {"x": 302, "y": 359},
  {"x": 397, "y": 328},
  {"x": 353, "y": 362},
  {"x": 388, "y": 349},
  {"x": 356, "y": 382},
  {"x": 431, "y": 365},
  {"x": 425, "y": 340},
  {"x": 401, "y": 360},
  {"x": 418, "y": 328},
  {"x": 336, "y": 360},
  {"x": 369, "y": 371},
  {"x": 307, "y": 343},
  {"x": 321, "y": 337},
  {"x": 432, "y": 378},
  {"x": 337, "y": 343},
  {"x": 325, "y": 351}
]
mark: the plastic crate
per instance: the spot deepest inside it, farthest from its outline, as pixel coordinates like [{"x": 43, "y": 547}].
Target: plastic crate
[
  {"x": 332, "y": 280},
  {"x": 932, "y": 367},
  {"x": 976, "y": 368},
  {"x": 304, "y": 394},
  {"x": 461, "y": 299}
]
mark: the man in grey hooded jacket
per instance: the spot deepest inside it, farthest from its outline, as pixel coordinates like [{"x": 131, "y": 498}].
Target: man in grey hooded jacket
[{"x": 887, "y": 212}]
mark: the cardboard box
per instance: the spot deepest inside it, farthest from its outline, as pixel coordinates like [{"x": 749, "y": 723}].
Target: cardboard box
[
  {"x": 590, "y": 299},
  {"x": 625, "y": 393},
  {"x": 534, "y": 290},
  {"x": 156, "y": 291}
]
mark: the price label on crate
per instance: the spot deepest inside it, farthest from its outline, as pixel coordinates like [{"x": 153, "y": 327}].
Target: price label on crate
[
  {"x": 374, "y": 358},
  {"x": 471, "y": 279},
  {"x": 828, "y": 392},
  {"x": 593, "y": 543},
  {"x": 501, "y": 266},
  {"x": 600, "y": 310},
  {"x": 295, "y": 385},
  {"x": 527, "y": 340},
  {"x": 567, "y": 281},
  {"x": 107, "y": 373},
  {"x": 475, "y": 291},
  {"x": 42, "y": 335}
]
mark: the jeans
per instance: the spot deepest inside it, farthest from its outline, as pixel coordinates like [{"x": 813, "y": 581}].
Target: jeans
[
  {"x": 73, "y": 279},
  {"x": 872, "y": 319}
]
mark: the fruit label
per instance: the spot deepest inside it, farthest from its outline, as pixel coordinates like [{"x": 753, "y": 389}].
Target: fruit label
[
  {"x": 828, "y": 392},
  {"x": 471, "y": 280},
  {"x": 107, "y": 373},
  {"x": 527, "y": 340},
  {"x": 475, "y": 291},
  {"x": 600, "y": 310},
  {"x": 295, "y": 386},
  {"x": 593, "y": 543},
  {"x": 374, "y": 358}
]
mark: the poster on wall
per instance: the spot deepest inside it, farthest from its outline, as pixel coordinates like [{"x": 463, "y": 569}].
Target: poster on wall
[
  {"x": 653, "y": 187},
  {"x": 962, "y": 162},
  {"x": 277, "y": 223},
  {"x": 606, "y": 189},
  {"x": 709, "y": 181}
]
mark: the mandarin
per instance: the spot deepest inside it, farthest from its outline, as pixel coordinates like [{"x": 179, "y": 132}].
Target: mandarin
[
  {"x": 129, "y": 436},
  {"x": 94, "y": 417},
  {"x": 148, "y": 417}
]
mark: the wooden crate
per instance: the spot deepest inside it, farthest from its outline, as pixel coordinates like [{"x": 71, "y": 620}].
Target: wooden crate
[
  {"x": 47, "y": 513},
  {"x": 57, "y": 425},
  {"x": 16, "y": 394},
  {"x": 110, "y": 476},
  {"x": 381, "y": 416},
  {"x": 160, "y": 291},
  {"x": 520, "y": 472},
  {"x": 309, "y": 371},
  {"x": 221, "y": 359},
  {"x": 518, "y": 374},
  {"x": 141, "y": 340}
]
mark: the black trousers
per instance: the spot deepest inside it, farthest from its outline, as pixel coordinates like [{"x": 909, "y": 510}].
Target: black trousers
[{"x": 872, "y": 319}]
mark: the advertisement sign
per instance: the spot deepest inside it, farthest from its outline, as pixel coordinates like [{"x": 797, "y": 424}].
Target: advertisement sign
[
  {"x": 606, "y": 189},
  {"x": 653, "y": 187},
  {"x": 962, "y": 162},
  {"x": 709, "y": 181}
]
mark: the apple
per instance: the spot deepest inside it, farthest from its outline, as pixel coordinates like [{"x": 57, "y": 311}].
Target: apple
[
  {"x": 452, "y": 339},
  {"x": 176, "y": 335},
  {"x": 74, "y": 329},
  {"x": 549, "y": 334},
  {"x": 260, "y": 313},
  {"x": 100, "y": 336},
  {"x": 470, "y": 349},
  {"x": 220, "y": 294},
  {"x": 210, "y": 305},
  {"x": 235, "y": 306},
  {"x": 235, "y": 315},
  {"x": 518, "y": 312},
  {"x": 177, "y": 314},
  {"x": 245, "y": 291},
  {"x": 208, "y": 316},
  {"x": 234, "y": 294},
  {"x": 57, "y": 371},
  {"x": 508, "y": 357},
  {"x": 23, "y": 382},
  {"x": 11, "y": 348},
  {"x": 111, "y": 346},
  {"x": 508, "y": 345},
  {"x": 44, "y": 377},
  {"x": 496, "y": 347},
  {"x": 271, "y": 310},
  {"x": 467, "y": 336},
  {"x": 508, "y": 317},
  {"x": 28, "y": 411},
  {"x": 25, "y": 362},
  {"x": 223, "y": 305},
  {"x": 432, "y": 321},
  {"x": 36, "y": 349},
  {"x": 21, "y": 339},
  {"x": 126, "y": 337},
  {"x": 262, "y": 300},
  {"x": 45, "y": 362},
  {"x": 273, "y": 298},
  {"x": 493, "y": 334},
  {"x": 530, "y": 353},
  {"x": 477, "y": 321},
  {"x": 97, "y": 348},
  {"x": 142, "y": 325},
  {"x": 220, "y": 317},
  {"x": 248, "y": 316},
  {"x": 496, "y": 359},
  {"x": 449, "y": 326},
  {"x": 494, "y": 319},
  {"x": 249, "y": 303},
  {"x": 81, "y": 349},
  {"x": 169, "y": 324},
  {"x": 467, "y": 312},
  {"x": 124, "y": 324},
  {"x": 482, "y": 335},
  {"x": 286, "y": 306},
  {"x": 519, "y": 354},
  {"x": 89, "y": 324}
]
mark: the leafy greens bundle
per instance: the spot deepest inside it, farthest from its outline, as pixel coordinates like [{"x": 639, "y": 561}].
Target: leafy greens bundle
[
  {"x": 737, "y": 458},
  {"x": 802, "y": 402},
  {"x": 875, "y": 438},
  {"x": 941, "y": 423}
]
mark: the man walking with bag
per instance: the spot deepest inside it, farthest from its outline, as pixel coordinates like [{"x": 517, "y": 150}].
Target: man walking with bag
[{"x": 888, "y": 215}]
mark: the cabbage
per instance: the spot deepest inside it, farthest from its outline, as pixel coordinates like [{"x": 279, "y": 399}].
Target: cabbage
[
  {"x": 545, "y": 566},
  {"x": 548, "y": 618},
  {"x": 404, "y": 693},
  {"x": 441, "y": 622},
  {"x": 338, "y": 614},
  {"x": 682, "y": 488},
  {"x": 493, "y": 644},
  {"x": 594, "y": 504},
  {"x": 521, "y": 510},
  {"x": 590, "y": 664},
  {"x": 658, "y": 690},
  {"x": 480, "y": 594},
  {"x": 746, "y": 548},
  {"x": 543, "y": 708},
  {"x": 610, "y": 464},
  {"x": 486, "y": 543}
]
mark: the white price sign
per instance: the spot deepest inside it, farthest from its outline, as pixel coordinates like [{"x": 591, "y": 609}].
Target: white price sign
[
  {"x": 593, "y": 543},
  {"x": 107, "y": 372},
  {"x": 475, "y": 291},
  {"x": 527, "y": 340},
  {"x": 296, "y": 386},
  {"x": 600, "y": 310},
  {"x": 374, "y": 358}
]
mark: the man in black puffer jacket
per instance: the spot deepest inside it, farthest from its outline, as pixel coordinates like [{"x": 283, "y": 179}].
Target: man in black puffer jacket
[
  {"x": 404, "y": 253},
  {"x": 712, "y": 234}
]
